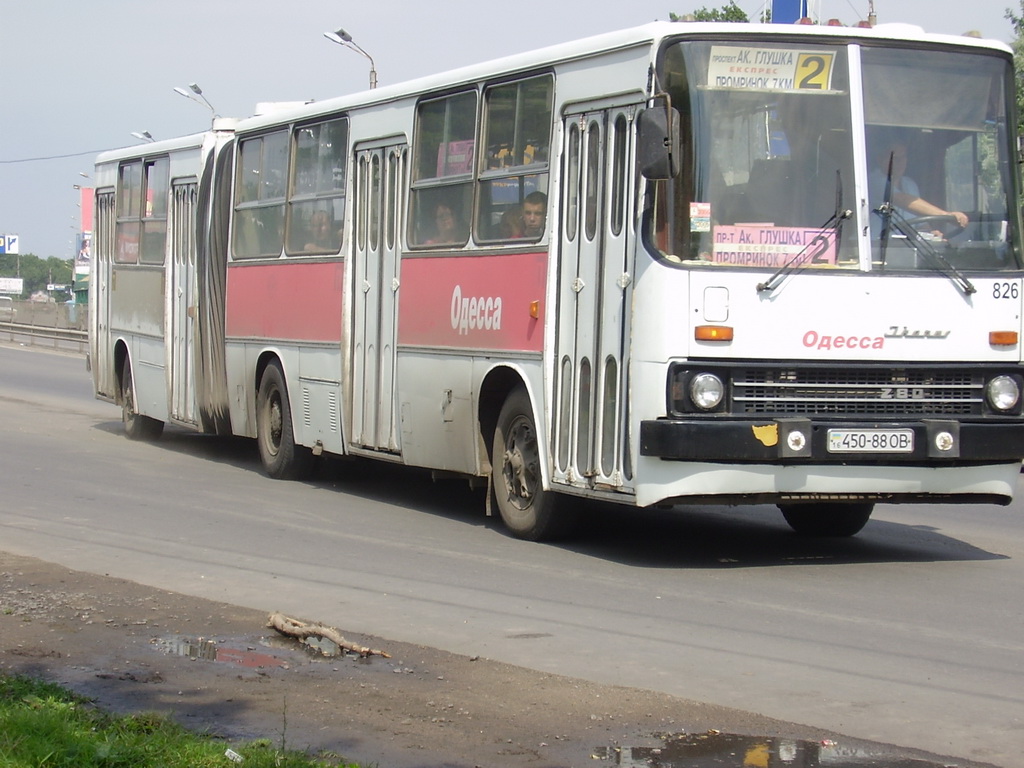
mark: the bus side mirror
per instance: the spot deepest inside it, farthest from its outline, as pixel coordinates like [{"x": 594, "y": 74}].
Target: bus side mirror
[{"x": 657, "y": 150}]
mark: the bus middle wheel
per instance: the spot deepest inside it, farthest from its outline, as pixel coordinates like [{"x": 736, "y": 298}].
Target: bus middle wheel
[{"x": 281, "y": 457}]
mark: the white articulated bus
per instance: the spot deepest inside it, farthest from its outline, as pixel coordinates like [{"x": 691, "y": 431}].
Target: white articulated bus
[{"x": 685, "y": 263}]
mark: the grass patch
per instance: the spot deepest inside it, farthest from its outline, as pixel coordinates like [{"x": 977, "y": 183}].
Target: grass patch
[{"x": 43, "y": 725}]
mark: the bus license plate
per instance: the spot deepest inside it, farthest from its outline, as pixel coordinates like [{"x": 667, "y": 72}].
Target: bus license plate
[{"x": 871, "y": 441}]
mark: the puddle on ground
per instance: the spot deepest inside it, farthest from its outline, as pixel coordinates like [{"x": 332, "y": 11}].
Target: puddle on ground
[
  {"x": 725, "y": 750},
  {"x": 315, "y": 646},
  {"x": 238, "y": 653},
  {"x": 212, "y": 650}
]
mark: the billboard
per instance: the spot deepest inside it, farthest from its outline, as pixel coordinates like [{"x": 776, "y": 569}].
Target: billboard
[
  {"x": 84, "y": 245},
  {"x": 85, "y": 202},
  {"x": 788, "y": 11},
  {"x": 12, "y": 285}
]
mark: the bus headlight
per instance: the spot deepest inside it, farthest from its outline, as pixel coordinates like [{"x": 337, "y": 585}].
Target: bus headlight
[
  {"x": 706, "y": 391},
  {"x": 1003, "y": 393}
]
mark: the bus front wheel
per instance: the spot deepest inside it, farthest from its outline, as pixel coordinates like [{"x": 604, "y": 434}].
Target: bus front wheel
[
  {"x": 528, "y": 510},
  {"x": 827, "y": 518},
  {"x": 281, "y": 457},
  {"x": 136, "y": 426}
]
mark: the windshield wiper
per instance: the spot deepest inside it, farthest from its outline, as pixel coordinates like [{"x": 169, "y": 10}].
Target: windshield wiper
[
  {"x": 892, "y": 217},
  {"x": 936, "y": 260},
  {"x": 886, "y": 210},
  {"x": 833, "y": 228}
]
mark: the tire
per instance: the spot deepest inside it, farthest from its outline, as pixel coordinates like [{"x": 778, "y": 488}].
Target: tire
[
  {"x": 527, "y": 510},
  {"x": 136, "y": 426},
  {"x": 827, "y": 518},
  {"x": 281, "y": 457}
]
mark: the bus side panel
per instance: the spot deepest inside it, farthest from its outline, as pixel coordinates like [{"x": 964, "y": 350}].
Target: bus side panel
[
  {"x": 456, "y": 315},
  {"x": 439, "y": 419},
  {"x": 436, "y": 411},
  {"x": 474, "y": 302},
  {"x": 282, "y": 300},
  {"x": 294, "y": 311},
  {"x": 137, "y": 313}
]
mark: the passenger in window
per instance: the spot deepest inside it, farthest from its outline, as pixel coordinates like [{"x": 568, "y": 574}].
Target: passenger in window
[
  {"x": 511, "y": 225},
  {"x": 535, "y": 212},
  {"x": 448, "y": 227},
  {"x": 904, "y": 194},
  {"x": 321, "y": 233}
]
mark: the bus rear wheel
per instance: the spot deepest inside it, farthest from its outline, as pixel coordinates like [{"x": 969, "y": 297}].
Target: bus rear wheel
[
  {"x": 136, "y": 426},
  {"x": 528, "y": 510},
  {"x": 281, "y": 457},
  {"x": 827, "y": 518}
]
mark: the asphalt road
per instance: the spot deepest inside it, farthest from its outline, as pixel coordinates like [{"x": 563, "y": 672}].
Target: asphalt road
[{"x": 912, "y": 633}]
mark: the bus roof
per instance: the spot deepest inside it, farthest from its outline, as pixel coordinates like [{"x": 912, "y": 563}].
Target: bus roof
[
  {"x": 645, "y": 35},
  {"x": 191, "y": 141}
]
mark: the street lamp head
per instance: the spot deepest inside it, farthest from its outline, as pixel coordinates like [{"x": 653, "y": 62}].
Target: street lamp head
[
  {"x": 141, "y": 136},
  {"x": 193, "y": 91},
  {"x": 341, "y": 37}
]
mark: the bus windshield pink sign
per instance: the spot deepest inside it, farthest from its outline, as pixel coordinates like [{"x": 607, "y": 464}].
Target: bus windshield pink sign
[{"x": 763, "y": 245}]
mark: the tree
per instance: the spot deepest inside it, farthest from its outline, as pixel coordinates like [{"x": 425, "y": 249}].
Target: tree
[
  {"x": 728, "y": 12},
  {"x": 1018, "y": 58},
  {"x": 36, "y": 272}
]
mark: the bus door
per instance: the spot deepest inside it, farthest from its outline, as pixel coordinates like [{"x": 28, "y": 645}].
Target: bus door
[
  {"x": 182, "y": 230},
  {"x": 102, "y": 361},
  {"x": 595, "y": 293},
  {"x": 379, "y": 205}
]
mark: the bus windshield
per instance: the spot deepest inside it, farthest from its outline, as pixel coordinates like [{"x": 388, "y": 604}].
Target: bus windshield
[{"x": 770, "y": 134}]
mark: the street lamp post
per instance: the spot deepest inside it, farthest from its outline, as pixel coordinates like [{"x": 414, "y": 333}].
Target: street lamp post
[
  {"x": 341, "y": 37},
  {"x": 193, "y": 91}
]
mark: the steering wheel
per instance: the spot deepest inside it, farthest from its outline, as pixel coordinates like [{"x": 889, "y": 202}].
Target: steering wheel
[{"x": 946, "y": 222}]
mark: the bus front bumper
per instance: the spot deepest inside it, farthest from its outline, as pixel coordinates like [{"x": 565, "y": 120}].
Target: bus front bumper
[{"x": 816, "y": 441}]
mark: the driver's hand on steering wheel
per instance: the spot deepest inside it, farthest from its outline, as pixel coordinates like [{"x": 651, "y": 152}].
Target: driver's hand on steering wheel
[{"x": 961, "y": 217}]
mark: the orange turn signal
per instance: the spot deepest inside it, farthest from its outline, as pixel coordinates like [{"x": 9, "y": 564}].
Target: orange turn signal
[
  {"x": 1002, "y": 338},
  {"x": 713, "y": 333},
  {"x": 535, "y": 309}
]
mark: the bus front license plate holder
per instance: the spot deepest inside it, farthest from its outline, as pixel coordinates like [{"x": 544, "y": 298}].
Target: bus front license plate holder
[{"x": 871, "y": 441}]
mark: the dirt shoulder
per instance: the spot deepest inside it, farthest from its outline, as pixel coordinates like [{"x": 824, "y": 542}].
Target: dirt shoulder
[{"x": 131, "y": 648}]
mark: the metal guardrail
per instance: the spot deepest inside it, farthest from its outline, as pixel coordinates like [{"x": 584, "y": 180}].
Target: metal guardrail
[{"x": 39, "y": 335}]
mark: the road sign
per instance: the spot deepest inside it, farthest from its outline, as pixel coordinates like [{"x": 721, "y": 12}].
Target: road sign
[{"x": 8, "y": 244}]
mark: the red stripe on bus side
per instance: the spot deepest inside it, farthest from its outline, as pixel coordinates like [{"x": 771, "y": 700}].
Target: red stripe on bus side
[
  {"x": 473, "y": 301},
  {"x": 282, "y": 300}
]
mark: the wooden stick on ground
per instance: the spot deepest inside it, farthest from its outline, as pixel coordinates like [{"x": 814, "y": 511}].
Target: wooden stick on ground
[{"x": 303, "y": 630}]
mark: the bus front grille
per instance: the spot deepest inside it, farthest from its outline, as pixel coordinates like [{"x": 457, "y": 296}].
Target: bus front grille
[{"x": 859, "y": 392}]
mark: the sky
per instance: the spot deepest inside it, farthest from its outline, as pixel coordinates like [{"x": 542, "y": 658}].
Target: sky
[{"x": 79, "y": 76}]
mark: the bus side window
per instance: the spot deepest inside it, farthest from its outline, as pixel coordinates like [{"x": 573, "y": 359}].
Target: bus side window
[
  {"x": 444, "y": 150},
  {"x": 316, "y": 195},
  {"x": 513, "y": 180},
  {"x": 260, "y": 195}
]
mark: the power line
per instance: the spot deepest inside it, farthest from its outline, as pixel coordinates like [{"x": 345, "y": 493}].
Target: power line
[{"x": 52, "y": 157}]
